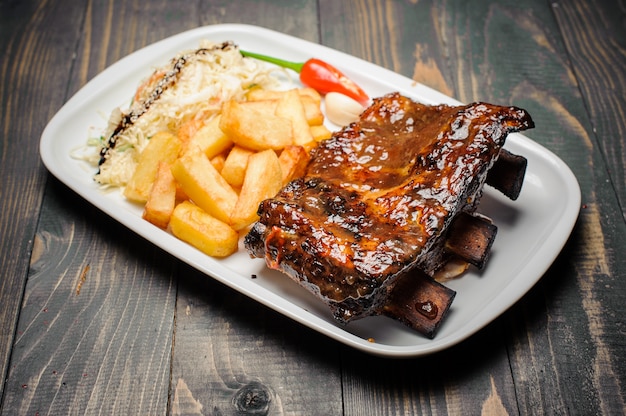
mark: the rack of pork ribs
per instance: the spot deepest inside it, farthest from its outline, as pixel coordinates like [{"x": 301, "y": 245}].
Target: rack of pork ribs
[{"x": 387, "y": 202}]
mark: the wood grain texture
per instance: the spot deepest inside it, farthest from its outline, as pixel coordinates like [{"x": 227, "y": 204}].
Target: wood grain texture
[
  {"x": 74, "y": 352},
  {"x": 555, "y": 347},
  {"x": 471, "y": 378},
  {"x": 297, "y": 18},
  {"x": 233, "y": 356},
  {"x": 594, "y": 36},
  {"x": 96, "y": 327},
  {"x": 113, "y": 29},
  {"x": 31, "y": 91},
  {"x": 577, "y": 336}
]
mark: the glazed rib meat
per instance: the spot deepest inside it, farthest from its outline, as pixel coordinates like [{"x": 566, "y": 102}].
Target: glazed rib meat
[{"x": 378, "y": 198}]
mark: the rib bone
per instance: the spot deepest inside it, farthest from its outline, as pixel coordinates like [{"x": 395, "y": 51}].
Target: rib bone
[
  {"x": 507, "y": 174},
  {"x": 470, "y": 237},
  {"x": 419, "y": 302}
]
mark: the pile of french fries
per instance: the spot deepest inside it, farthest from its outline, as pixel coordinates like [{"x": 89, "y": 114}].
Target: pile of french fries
[{"x": 205, "y": 182}]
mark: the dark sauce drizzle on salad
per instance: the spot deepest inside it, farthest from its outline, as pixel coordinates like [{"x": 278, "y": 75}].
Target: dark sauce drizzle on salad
[{"x": 167, "y": 81}]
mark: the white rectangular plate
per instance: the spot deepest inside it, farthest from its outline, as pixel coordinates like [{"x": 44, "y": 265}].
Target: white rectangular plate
[{"x": 531, "y": 230}]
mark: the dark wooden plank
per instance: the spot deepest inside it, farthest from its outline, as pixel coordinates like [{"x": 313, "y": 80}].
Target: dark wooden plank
[
  {"x": 568, "y": 327},
  {"x": 234, "y": 355},
  {"x": 31, "y": 89},
  {"x": 295, "y": 18},
  {"x": 569, "y": 331},
  {"x": 575, "y": 313},
  {"x": 113, "y": 29},
  {"x": 227, "y": 345},
  {"x": 106, "y": 349},
  {"x": 471, "y": 378},
  {"x": 96, "y": 325},
  {"x": 595, "y": 39}
]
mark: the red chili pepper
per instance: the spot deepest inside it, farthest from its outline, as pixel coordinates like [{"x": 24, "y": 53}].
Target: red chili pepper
[{"x": 319, "y": 75}]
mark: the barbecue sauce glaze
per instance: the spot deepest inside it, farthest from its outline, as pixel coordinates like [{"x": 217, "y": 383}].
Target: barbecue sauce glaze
[{"x": 377, "y": 195}]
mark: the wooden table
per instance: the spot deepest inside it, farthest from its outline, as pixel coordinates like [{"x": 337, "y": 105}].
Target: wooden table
[{"x": 95, "y": 320}]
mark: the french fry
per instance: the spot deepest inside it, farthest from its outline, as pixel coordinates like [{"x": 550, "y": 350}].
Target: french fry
[
  {"x": 235, "y": 165},
  {"x": 188, "y": 129},
  {"x": 254, "y": 129},
  {"x": 162, "y": 198},
  {"x": 262, "y": 94},
  {"x": 320, "y": 133},
  {"x": 293, "y": 161},
  {"x": 218, "y": 162},
  {"x": 310, "y": 102},
  {"x": 210, "y": 138},
  {"x": 204, "y": 185},
  {"x": 289, "y": 106},
  {"x": 312, "y": 111},
  {"x": 312, "y": 93},
  {"x": 162, "y": 147},
  {"x": 263, "y": 180},
  {"x": 208, "y": 234},
  {"x": 180, "y": 194},
  {"x": 266, "y": 108}
]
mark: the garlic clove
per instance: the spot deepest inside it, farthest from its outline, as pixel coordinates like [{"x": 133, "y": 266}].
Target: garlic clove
[{"x": 341, "y": 109}]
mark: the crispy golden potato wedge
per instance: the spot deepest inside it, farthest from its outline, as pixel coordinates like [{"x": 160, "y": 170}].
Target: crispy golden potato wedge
[
  {"x": 293, "y": 161},
  {"x": 210, "y": 138},
  {"x": 289, "y": 106},
  {"x": 206, "y": 180},
  {"x": 162, "y": 147},
  {"x": 208, "y": 234},
  {"x": 204, "y": 185},
  {"x": 312, "y": 111},
  {"x": 235, "y": 165},
  {"x": 251, "y": 128},
  {"x": 162, "y": 198},
  {"x": 263, "y": 180}
]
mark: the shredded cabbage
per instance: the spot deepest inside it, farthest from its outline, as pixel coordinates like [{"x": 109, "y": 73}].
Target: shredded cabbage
[{"x": 202, "y": 86}]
